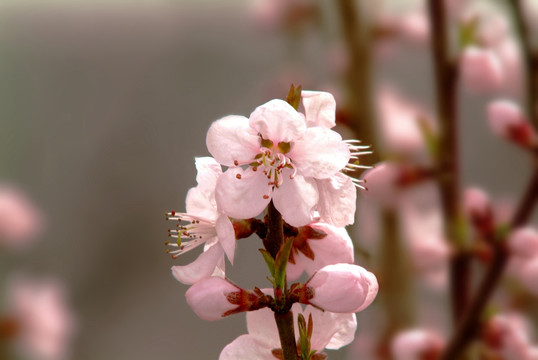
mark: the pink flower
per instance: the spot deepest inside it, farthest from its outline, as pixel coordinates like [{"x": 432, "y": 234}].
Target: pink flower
[
  {"x": 20, "y": 221},
  {"x": 44, "y": 322},
  {"x": 416, "y": 344},
  {"x": 523, "y": 245},
  {"x": 508, "y": 121},
  {"x": 331, "y": 331},
  {"x": 382, "y": 183},
  {"x": 481, "y": 70},
  {"x": 311, "y": 254},
  {"x": 213, "y": 298},
  {"x": 478, "y": 208},
  {"x": 282, "y": 155},
  {"x": 508, "y": 334},
  {"x": 342, "y": 288},
  {"x": 206, "y": 226}
]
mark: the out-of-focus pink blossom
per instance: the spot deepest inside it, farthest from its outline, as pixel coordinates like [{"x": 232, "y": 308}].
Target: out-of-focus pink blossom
[
  {"x": 381, "y": 182},
  {"x": 331, "y": 331},
  {"x": 528, "y": 275},
  {"x": 342, "y": 288},
  {"x": 508, "y": 335},
  {"x": 481, "y": 69},
  {"x": 44, "y": 322},
  {"x": 508, "y": 121},
  {"x": 212, "y": 298},
  {"x": 523, "y": 243},
  {"x": 417, "y": 344},
  {"x": 412, "y": 26},
  {"x": 20, "y": 220},
  {"x": 311, "y": 255},
  {"x": 206, "y": 225},
  {"x": 478, "y": 208},
  {"x": 400, "y": 123}
]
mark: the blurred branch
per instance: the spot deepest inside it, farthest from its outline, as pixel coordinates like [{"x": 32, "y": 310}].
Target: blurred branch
[
  {"x": 446, "y": 76},
  {"x": 467, "y": 330},
  {"x": 531, "y": 60}
]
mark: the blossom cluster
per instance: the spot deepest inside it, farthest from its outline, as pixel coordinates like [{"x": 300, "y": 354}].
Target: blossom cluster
[{"x": 292, "y": 164}]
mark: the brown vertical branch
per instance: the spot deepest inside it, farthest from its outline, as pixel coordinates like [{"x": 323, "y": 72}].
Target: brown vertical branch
[
  {"x": 446, "y": 76},
  {"x": 531, "y": 60},
  {"x": 286, "y": 333},
  {"x": 467, "y": 330},
  {"x": 275, "y": 230}
]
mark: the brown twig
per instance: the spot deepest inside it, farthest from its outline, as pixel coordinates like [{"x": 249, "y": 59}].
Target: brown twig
[{"x": 446, "y": 76}]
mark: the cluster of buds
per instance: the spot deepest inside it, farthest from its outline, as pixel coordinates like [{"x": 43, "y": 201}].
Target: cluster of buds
[{"x": 292, "y": 167}]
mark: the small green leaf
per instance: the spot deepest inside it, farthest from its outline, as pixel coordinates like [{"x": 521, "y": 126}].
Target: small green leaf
[
  {"x": 281, "y": 261},
  {"x": 467, "y": 32},
  {"x": 294, "y": 96},
  {"x": 431, "y": 139},
  {"x": 269, "y": 261}
]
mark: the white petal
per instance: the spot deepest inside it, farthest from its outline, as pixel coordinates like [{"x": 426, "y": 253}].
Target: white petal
[
  {"x": 245, "y": 347},
  {"x": 277, "y": 121},
  {"x": 295, "y": 199},
  {"x": 293, "y": 271},
  {"x": 331, "y": 330},
  {"x": 200, "y": 268},
  {"x": 201, "y": 203},
  {"x": 337, "y": 200},
  {"x": 319, "y": 153},
  {"x": 226, "y": 235},
  {"x": 208, "y": 298},
  {"x": 208, "y": 171},
  {"x": 320, "y": 108},
  {"x": 231, "y": 139},
  {"x": 242, "y": 198}
]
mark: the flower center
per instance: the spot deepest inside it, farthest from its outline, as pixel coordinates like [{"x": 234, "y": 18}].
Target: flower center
[
  {"x": 198, "y": 231},
  {"x": 273, "y": 160}
]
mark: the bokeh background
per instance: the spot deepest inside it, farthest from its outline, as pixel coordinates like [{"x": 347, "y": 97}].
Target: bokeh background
[{"x": 103, "y": 107}]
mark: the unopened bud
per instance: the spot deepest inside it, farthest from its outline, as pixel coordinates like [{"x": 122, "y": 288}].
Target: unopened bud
[
  {"x": 478, "y": 209},
  {"x": 523, "y": 242},
  {"x": 416, "y": 344},
  {"x": 342, "y": 288},
  {"x": 481, "y": 70},
  {"x": 508, "y": 121}
]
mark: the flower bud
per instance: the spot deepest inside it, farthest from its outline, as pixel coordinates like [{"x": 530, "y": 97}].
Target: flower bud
[
  {"x": 213, "y": 298},
  {"x": 523, "y": 242},
  {"x": 381, "y": 181},
  {"x": 481, "y": 70},
  {"x": 416, "y": 344},
  {"x": 478, "y": 209},
  {"x": 342, "y": 288},
  {"x": 508, "y": 121}
]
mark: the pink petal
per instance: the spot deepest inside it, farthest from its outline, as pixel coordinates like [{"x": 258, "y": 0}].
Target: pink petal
[
  {"x": 320, "y": 108},
  {"x": 208, "y": 171},
  {"x": 242, "y": 194},
  {"x": 200, "y": 268},
  {"x": 231, "y": 139},
  {"x": 295, "y": 199},
  {"x": 201, "y": 202},
  {"x": 226, "y": 235},
  {"x": 208, "y": 297},
  {"x": 246, "y": 347},
  {"x": 481, "y": 69},
  {"x": 293, "y": 271},
  {"x": 262, "y": 327},
  {"x": 337, "y": 200},
  {"x": 320, "y": 153},
  {"x": 331, "y": 330},
  {"x": 334, "y": 248},
  {"x": 277, "y": 121}
]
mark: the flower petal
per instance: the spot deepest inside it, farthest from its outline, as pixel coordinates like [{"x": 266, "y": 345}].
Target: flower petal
[
  {"x": 320, "y": 108},
  {"x": 334, "y": 248},
  {"x": 296, "y": 198},
  {"x": 200, "y": 268},
  {"x": 226, "y": 235},
  {"x": 245, "y": 347},
  {"x": 319, "y": 153},
  {"x": 331, "y": 330},
  {"x": 277, "y": 121},
  {"x": 261, "y": 325},
  {"x": 208, "y": 298},
  {"x": 240, "y": 193},
  {"x": 337, "y": 200},
  {"x": 201, "y": 203},
  {"x": 231, "y": 139}
]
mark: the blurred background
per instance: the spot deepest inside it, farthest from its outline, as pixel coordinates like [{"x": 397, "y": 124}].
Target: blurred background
[{"x": 105, "y": 104}]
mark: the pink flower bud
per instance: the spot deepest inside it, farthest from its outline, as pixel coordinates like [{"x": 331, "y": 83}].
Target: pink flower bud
[
  {"x": 508, "y": 121},
  {"x": 481, "y": 70},
  {"x": 342, "y": 288},
  {"x": 523, "y": 242},
  {"x": 478, "y": 208},
  {"x": 381, "y": 183},
  {"x": 213, "y": 298},
  {"x": 416, "y": 344}
]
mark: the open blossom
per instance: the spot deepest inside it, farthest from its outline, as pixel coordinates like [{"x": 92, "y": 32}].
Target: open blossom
[
  {"x": 331, "y": 331},
  {"x": 342, "y": 288},
  {"x": 282, "y": 155},
  {"x": 19, "y": 219},
  {"x": 205, "y": 226},
  {"x": 311, "y": 254},
  {"x": 416, "y": 344},
  {"x": 44, "y": 324}
]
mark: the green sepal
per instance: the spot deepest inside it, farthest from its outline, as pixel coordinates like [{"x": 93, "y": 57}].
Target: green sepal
[
  {"x": 294, "y": 96},
  {"x": 269, "y": 261},
  {"x": 280, "y": 263},
  {"x": 430, "y": 138},
  {"x": 467, "y": 33},
  {"x": 502, "y": 231}
]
